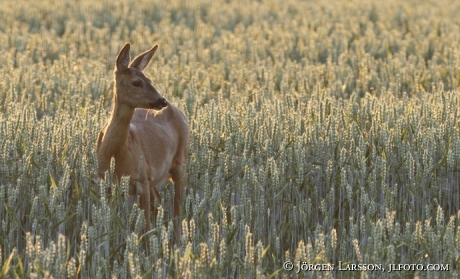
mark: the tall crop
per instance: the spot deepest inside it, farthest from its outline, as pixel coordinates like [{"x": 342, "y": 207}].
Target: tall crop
[{"x": 324, "y": 133}]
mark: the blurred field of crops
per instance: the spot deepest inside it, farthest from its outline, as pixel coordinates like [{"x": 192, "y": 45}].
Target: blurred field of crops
[{"x": 325, "y": 133}]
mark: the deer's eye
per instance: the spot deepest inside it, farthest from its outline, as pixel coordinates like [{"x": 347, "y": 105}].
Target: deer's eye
[{"x": 137, "y": 83}]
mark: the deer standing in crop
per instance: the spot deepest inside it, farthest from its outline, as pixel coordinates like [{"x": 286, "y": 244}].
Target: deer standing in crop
[{"x": 147, "y": 136}]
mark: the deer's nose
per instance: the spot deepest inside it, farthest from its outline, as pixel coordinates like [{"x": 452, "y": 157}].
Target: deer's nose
[{"x": 161, "y": 103}]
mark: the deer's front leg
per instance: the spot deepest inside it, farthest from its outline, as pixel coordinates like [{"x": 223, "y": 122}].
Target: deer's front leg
[{"x": 144, "y": 197}]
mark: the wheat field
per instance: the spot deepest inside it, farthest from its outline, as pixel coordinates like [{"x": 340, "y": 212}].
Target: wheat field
[{"x": 325, "y": 139}]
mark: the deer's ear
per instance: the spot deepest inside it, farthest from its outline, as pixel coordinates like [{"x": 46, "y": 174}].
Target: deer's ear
[
  {"x": 123, "y": 58},
  {"x": 143, "y": 59}
]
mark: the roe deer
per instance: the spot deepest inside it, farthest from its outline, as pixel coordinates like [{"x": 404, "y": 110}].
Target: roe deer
[{"x": 148, "y": 146}]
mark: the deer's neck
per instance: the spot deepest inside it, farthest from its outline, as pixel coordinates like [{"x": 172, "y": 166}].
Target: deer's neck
[{"x": 116, "y": 133}]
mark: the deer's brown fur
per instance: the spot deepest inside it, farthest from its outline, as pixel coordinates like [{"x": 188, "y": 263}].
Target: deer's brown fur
[{"x": 147, "y": 135}]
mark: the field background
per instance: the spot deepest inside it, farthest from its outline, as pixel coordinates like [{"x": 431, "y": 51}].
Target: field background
[{"x": 320, "y": 132}]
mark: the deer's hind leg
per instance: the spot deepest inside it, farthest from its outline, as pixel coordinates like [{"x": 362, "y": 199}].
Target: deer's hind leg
[{"x": 176, "y": 176}]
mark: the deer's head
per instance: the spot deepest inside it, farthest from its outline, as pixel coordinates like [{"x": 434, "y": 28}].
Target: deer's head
[{"x": 133, "y": 88}]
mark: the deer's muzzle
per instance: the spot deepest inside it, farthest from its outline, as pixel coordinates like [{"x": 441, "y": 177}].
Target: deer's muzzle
[{"x": 161, "y": 103}]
